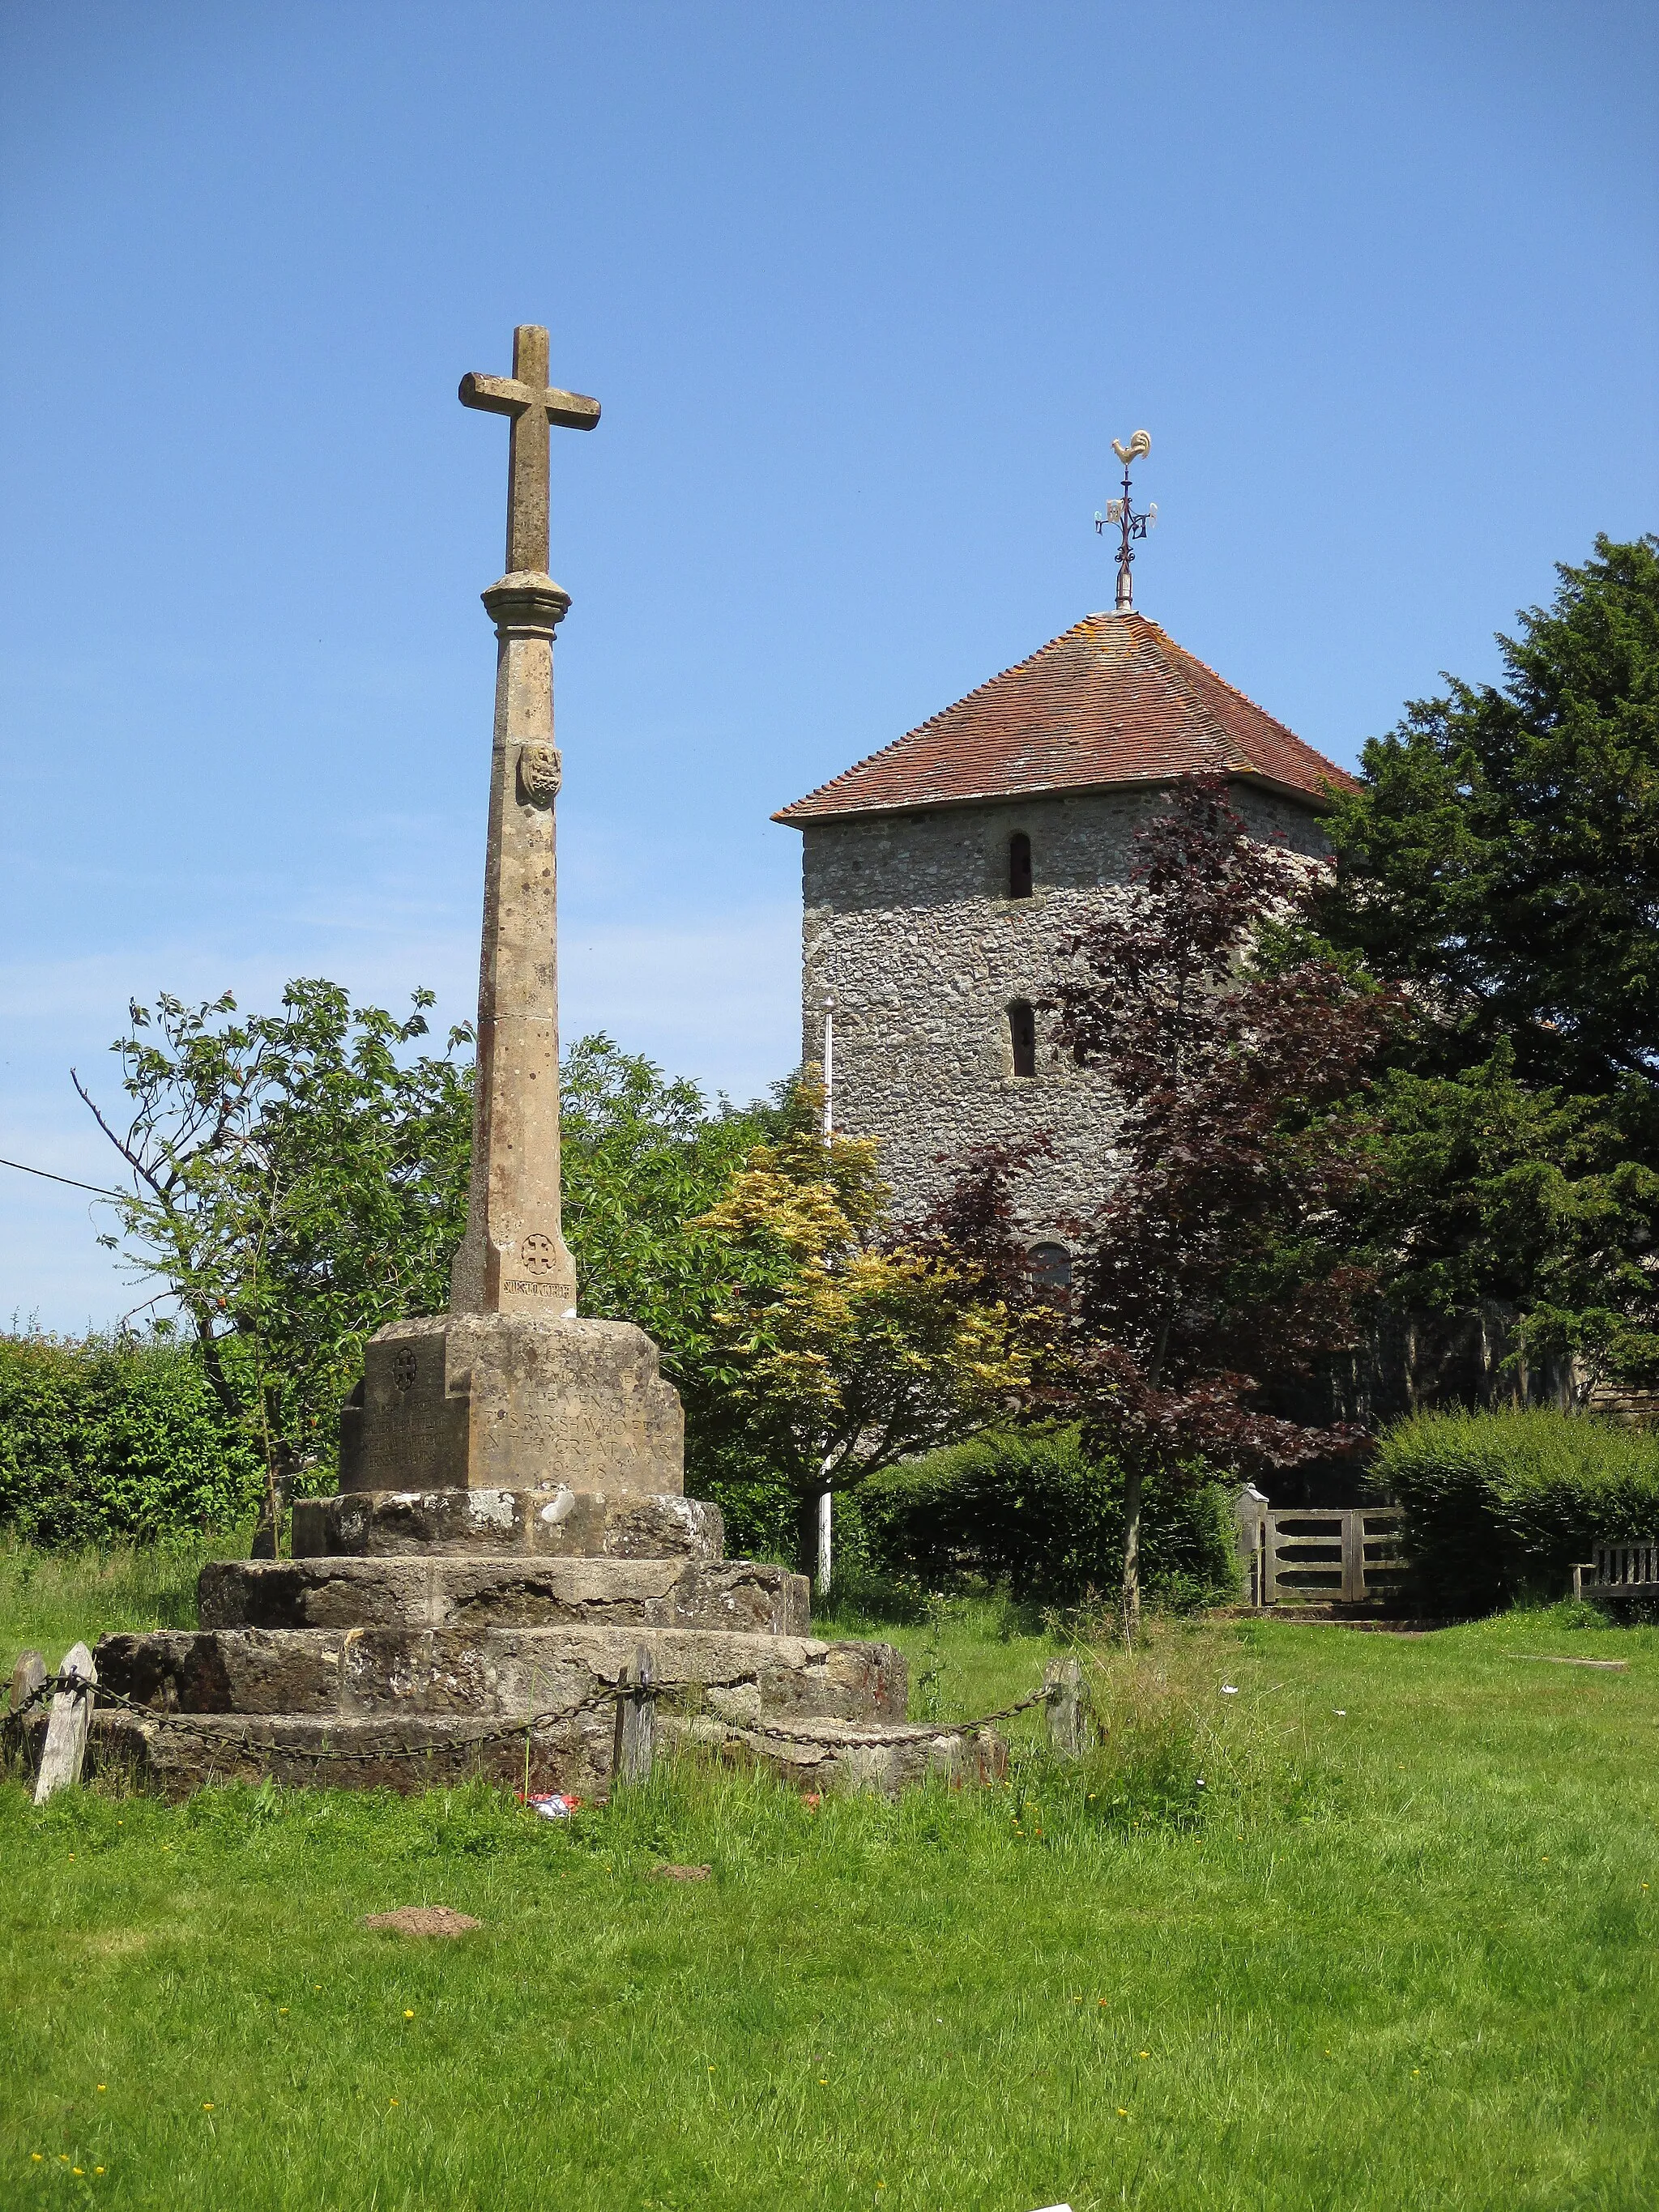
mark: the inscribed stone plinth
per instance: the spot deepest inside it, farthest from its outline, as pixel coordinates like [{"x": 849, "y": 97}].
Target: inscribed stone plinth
[{"x": 505, "y": 1401}]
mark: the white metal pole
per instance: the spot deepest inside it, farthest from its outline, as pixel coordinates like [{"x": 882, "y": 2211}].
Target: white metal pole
[
  {"x": 826, "y": 1499},
  {"x": 826, "y": 1541}
]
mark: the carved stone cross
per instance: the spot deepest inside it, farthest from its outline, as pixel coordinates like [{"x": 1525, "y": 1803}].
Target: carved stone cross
[
  {"x": 513, "y": 1259},
  {"x": 532, "y": 405}
]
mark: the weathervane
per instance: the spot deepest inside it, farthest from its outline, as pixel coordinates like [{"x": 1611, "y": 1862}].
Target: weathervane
[{"x": 1132, "y": 525}]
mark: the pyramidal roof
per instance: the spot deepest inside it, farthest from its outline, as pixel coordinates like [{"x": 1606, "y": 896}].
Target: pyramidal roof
[{"x": 1111, "y": 701}]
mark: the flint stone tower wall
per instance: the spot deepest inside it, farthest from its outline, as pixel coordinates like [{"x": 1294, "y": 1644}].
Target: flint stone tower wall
[{"x": 909, "y": 927}]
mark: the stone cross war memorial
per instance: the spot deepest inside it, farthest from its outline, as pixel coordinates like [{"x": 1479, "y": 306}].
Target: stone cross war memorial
[{"x": 511, "y": 1552}]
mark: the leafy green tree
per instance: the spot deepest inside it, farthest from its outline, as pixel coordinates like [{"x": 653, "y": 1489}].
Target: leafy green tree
[
  {"x": 1501, "y": 861},
  {"x": 1503, "y": 853},
  {"x": 116, "y": 1439},
  {"x": 297, "y": 1179},
  {"x": 643, "y": 1155},
  {"x": 833, "y": 1351},
  {"x": 1485, "y": 1189}
]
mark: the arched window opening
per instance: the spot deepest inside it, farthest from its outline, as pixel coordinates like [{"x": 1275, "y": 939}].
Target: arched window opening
[
  {"x": 1050, "y": 1266},
  {"x": 1019, "y": 866},
  {"x": 1022, "y": 1036}
]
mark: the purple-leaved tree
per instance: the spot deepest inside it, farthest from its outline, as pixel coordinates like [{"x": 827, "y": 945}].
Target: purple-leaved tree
[{"x": 1222, "y": 1261}]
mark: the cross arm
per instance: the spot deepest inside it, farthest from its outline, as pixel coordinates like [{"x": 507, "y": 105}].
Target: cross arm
[{"x": 505, "y": 395}]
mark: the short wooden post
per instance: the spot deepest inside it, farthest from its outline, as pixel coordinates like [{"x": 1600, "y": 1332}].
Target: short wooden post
[
  {"x": 1064, "y": 1712},
  {"x": 66, "y": 1728},
  {"x": 636, "y": 1721}
]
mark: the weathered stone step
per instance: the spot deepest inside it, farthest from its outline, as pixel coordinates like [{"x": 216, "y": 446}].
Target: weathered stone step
[
  {"x": 441, "y": 1590},
  {"x": 555, "y": 1522},
  {"x": 179, "y": 1754},
  {"x": 497, "y": 1674}
]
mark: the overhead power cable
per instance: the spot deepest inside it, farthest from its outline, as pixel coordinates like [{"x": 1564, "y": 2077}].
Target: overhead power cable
[{"x": 47, "y": 1174}]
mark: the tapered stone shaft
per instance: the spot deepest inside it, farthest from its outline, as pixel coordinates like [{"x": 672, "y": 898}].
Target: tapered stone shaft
[{"x": 513, "y": 1259}]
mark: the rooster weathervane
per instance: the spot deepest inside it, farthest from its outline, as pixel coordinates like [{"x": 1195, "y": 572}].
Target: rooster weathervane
[{"x": 1131, "y": 524}]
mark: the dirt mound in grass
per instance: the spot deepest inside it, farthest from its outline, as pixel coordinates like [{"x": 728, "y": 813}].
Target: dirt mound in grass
[{"x": 422, "y": 1920}]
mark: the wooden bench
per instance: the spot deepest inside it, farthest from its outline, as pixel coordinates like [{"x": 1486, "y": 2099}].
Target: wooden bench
[{"x": 1619, "y": 1571}]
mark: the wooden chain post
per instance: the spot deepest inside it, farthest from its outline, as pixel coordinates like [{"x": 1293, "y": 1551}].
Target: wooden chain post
[
  {"x": 636, "y": 1721},
  {"x": 1065, "y": 1711},
  {"x": 66, "y": 1728}
]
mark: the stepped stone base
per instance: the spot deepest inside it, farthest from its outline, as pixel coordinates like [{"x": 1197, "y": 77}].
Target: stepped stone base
[
  {"x": 477, "y": 1593},
  {"x": 496, "y": 1674},
  {"x": 419, "y": 1635},
  {"x": 551, "y": 1521},
  {"x": 179, "y": 1756}
]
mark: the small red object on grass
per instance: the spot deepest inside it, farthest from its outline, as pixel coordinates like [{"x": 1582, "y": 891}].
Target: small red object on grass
[{"x": 552, "y": 1804}]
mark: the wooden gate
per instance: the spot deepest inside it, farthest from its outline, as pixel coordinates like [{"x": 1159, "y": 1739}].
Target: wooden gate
[{"x": 1344, "y": 1557}]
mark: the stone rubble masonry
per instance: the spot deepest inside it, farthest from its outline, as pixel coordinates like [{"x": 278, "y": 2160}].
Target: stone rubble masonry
[
  {"x": 555, "y": 1522},
  {"x": 908, "y": 927}
]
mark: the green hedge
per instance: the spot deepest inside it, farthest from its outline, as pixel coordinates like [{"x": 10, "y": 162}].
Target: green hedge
[
  {"x": 1029, "y": 1510},
  {"x": 110, "y": 1441},
  {"x": 1499, "y": 1506}
]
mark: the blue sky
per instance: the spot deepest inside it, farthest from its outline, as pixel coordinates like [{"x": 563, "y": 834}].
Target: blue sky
[{"x": 866, "y": 292}]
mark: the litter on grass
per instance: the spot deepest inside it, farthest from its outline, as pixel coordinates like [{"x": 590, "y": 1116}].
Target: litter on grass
[
  {"x": 554, "y": 1805},
  {"x": 1228, "y": 1690}
]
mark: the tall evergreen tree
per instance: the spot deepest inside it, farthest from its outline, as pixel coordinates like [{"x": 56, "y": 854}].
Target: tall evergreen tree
[{"x": 1503, "y": 854}]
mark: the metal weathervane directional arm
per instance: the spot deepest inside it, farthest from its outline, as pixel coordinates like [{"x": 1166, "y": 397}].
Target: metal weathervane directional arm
[{"x": 1131, "y": 525}]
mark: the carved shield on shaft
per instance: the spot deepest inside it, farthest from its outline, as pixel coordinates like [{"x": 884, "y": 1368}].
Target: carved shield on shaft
[{"x": 540, "y": 773}]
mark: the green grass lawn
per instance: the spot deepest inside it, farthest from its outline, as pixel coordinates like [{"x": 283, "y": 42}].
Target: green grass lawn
[{"x": 1398, "y": 1950}]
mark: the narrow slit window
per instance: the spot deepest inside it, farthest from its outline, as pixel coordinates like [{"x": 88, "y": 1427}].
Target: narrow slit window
[
  {"x": 1022, "y": 1036},
  {"x": 1050, "y": 1266},
  {"x": 1019, "y": 866}
]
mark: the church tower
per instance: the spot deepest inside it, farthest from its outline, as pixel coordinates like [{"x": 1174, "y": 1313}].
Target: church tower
[{"x": 940, "y": 874}]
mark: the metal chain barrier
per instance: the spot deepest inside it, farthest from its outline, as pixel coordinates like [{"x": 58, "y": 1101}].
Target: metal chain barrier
[{"x": 908, "y": 1732}]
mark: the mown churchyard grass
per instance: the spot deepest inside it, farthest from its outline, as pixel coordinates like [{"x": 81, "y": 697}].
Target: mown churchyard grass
[{"x": 1398, "y": 1951}]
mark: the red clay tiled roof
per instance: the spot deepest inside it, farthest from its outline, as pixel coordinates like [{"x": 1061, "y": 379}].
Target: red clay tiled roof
[{"x": 1111, "y": 701}]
